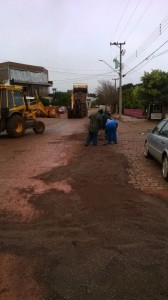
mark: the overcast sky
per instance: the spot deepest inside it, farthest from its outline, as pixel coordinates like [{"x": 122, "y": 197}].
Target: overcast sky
[{"x": 68, "y": 37}]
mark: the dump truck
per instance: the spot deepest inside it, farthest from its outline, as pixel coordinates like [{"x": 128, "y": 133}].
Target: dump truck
[
  {"x": 78, "y": 106},
  {"x": 17, "y": 114}
]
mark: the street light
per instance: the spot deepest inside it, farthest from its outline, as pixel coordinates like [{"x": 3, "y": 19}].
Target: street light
[{"x": 108, "y": 65}]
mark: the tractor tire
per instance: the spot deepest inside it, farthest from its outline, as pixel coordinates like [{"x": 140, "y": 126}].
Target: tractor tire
[
  {"x": 15, "y": 126},
  {"x": 39, "y": 127}
]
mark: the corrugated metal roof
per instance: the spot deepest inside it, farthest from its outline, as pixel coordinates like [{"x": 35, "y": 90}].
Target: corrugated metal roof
[{"x": 27, "y": 76}]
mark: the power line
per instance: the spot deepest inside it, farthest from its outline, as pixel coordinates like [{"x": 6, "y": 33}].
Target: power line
[
  {"x": 146, "y": 58},
  {"x": 80, "y": 70},
  {"x": 146, "y": 9},
  {"x": 120, "y": 19},
  {"x": 82, "y": 78},
  {"x": 126, "y": 67},
  {"x": 139, "y": 1},
  {"x": 152, "y": 37},
  {"x": 70, "y": 73},
  {"x": 152, "y": 58},
  {"x": 161, "y": 53}
]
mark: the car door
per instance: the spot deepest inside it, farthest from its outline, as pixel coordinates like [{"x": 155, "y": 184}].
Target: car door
[
  {"x": 162, "y": 142},
  {"x": 153, "y": 138},
  {"x": 159, "y": 140}
]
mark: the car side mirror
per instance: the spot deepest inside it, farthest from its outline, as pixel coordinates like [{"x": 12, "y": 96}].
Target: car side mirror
[
  {"x": 154, "y": 129},
  {"x": 150, "y": 130}
]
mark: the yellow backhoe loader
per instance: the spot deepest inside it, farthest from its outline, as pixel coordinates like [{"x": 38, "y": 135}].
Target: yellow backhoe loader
[{"x": 16, "y": 114}]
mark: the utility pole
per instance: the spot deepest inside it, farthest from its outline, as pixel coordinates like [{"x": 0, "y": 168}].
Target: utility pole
[
  {"x": 115, "y": 79},
  {"x": 120, "y": 76}
]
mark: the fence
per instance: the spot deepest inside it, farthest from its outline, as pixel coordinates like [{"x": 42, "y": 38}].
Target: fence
[{"x": 137, "y": 113}]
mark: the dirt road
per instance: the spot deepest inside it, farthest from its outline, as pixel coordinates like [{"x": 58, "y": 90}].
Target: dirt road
[{"x": 82, "y": 222}]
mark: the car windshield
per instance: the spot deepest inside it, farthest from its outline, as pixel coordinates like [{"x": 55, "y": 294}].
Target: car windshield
[
  {"x": 164, "y": 130},
  {"x": 158, "y": 128}
]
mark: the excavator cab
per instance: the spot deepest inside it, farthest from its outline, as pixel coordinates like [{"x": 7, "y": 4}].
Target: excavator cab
[{"x": 16, "y": 115}]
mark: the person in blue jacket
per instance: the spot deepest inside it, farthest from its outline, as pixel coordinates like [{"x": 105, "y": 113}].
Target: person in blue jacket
[{"x": 111, "y": 129}]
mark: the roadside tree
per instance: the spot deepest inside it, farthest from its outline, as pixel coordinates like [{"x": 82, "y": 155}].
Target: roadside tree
[
  {"x": 106, "y": 93},
  {"x": 132, "y": 96},
  {"x": 61, "y": 98},
  {"x": 155, "y": 87}
]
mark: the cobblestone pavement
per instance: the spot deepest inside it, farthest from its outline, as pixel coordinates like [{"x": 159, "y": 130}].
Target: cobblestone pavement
[{"x": 144, "y": 174}]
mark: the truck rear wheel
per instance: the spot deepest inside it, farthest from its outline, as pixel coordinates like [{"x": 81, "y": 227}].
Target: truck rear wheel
[
  {"x": 69, "y": 115},
  {"x": 15, "y": 126},
  {"x": 39, "y": 127}
]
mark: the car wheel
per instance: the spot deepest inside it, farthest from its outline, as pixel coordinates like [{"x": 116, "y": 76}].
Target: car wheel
[
  {"x": 165, "y": 168},
  {"x": 146, "y": 151}
]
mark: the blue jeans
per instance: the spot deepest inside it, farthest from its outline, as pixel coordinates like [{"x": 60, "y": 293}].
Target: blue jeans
[
  {"x": 92, "y": 138},
  {"x": 111, "y": 135}
]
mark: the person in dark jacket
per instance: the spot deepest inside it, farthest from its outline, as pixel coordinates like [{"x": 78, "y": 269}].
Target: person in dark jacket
[
  {"x": 105, "y": 116},
  {"x": 111, "y": 128},
  {"x": 94, "y": 126}
]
